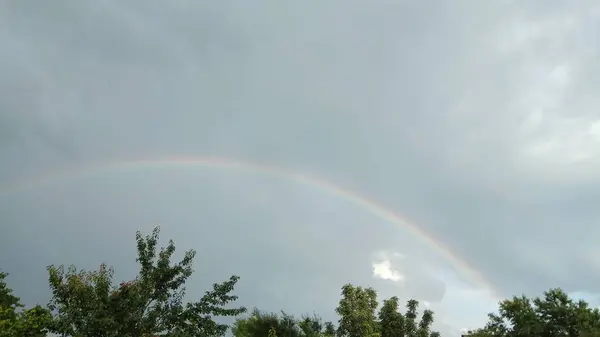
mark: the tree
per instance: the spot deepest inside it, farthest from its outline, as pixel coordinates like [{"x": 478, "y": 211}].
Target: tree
[
  {"x": 311, "y": 326},
  {"x": 329, "y": 329},
  {"x": 357, "y": 316},
  {"x": 392, "y": 323},
  {"x": 261, "y": 324},
  {"x": 553, "y": 315},
  {"x": 15, "y": 322},
  {"x": 357, "y": 312},
  {"x": 86, "y": 303}
]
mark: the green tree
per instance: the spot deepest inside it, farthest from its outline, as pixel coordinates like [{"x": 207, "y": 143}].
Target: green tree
[
  {"x": 393, "y": 324},
  {"x": 8, "y": 308},
  {"x": 311, "y": 326},
  {"x": 357, "y": 312},
  {"x": 424, "y": 325},
  {"x": 16, "y": 322},
  {"x": 86, "y": 303},
  {"x": 329, "y": 329},
  {"x": 552, "y": 315},
  {"x": 259, "y": 324},
  {"x": 391, "y": 321}
]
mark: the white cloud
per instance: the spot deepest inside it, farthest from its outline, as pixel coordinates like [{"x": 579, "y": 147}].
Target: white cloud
[{"x": 384, "y": 271}]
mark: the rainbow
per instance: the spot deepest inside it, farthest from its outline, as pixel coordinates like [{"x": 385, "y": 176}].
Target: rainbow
[{"x": 308, "y": 180}]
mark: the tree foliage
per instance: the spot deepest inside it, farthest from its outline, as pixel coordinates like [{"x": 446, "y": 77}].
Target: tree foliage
[
  {"x": 357, "y": 310},
  {"x": 16, "y": 322},
  {"x": 260, "y": 323},
  {"x": 86, "y": 303},
  {"x": 89, "y": 304},
  {"x": 552, "y": 315}
]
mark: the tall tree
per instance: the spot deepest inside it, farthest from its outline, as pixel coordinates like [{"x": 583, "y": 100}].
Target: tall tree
[
  {"x": 391, "y": 321},
  {"x": 393, "y": 324},
  {"x": 424, "y": 326},
  {"x": 86, "y": 303},
  {"x": 357, "y": 312}
]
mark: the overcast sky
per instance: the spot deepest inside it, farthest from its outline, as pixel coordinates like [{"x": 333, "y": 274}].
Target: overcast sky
[{"x": 477, "y": 120}]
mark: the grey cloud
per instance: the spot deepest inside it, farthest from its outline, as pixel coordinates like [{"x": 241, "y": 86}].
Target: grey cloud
[
  {"x": 274, "y": 244},
  {"x": 426, "y": 107}
]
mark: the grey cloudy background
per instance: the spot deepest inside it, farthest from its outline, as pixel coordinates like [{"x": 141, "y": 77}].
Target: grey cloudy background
[{"x": 478, "y": 120}]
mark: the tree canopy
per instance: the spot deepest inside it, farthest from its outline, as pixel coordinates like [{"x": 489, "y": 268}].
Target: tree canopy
[
  {"x": 86, "y": 303},
  {"x": 90, "y": 304},
  {"x": 553, "y": 314}
]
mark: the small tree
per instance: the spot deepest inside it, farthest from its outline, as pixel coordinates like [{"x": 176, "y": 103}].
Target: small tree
[
  {"x": 85, "y": 303},
  {"x": 260, "y": 324},
  {"x": 16, "y": 322}
]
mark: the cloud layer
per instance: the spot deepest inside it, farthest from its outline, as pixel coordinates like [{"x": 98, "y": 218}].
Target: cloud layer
[{"x": 476, "y": 120}]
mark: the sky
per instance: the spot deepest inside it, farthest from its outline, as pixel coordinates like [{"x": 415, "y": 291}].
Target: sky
[{"x": 476, "y": 120}]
